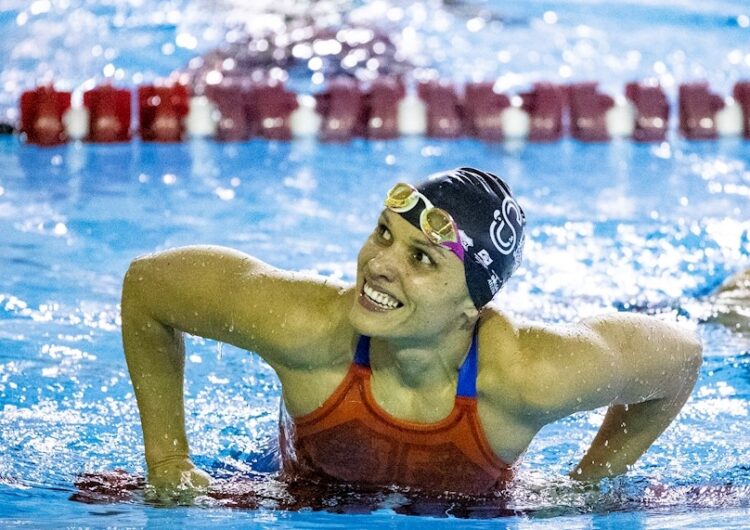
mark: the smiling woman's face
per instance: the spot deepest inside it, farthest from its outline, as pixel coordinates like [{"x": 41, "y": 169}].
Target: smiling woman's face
[{"x": 406, "y": 285}]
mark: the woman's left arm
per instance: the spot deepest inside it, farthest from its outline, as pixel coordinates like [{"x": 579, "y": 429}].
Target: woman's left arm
[
  {"x": 661, "y": 363},
  {"x": 642, "y": 368}
]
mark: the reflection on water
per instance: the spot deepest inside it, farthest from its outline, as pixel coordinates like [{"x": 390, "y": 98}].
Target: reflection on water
[
  {"x": 72, "y": 218},
  {"x": 527, "y": 497},
  {"x": 653, "y": 228}
]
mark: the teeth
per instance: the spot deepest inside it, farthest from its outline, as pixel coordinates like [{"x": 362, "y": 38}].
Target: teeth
[{"x": 382, "y": 299}]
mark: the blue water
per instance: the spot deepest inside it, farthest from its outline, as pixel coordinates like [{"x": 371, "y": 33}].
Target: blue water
[
  {"x": 609, "y": 225},
  {"x": 612, "y": 227}
]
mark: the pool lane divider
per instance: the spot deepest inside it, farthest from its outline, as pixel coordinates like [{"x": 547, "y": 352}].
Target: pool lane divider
[{"x": 240, "y": 109}]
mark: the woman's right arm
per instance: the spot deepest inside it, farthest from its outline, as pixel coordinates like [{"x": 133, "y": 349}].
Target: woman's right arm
[{"x": 220, "y": 294}]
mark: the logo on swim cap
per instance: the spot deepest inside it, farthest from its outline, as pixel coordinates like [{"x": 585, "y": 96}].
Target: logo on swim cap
[
  {"x": 502, "y": 231},
  {"x": 466, "y": 241},
  {"x": 494, "y": 283},
  {"x": 483, "y": 258}
]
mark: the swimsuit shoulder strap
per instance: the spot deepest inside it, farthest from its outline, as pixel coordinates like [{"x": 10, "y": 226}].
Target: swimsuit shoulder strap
[
  {"x": 362, "y": 354},
  {"x": 467, "y": 373}
]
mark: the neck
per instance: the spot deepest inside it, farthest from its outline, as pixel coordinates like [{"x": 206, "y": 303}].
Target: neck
[{"x": 421, "y": 363}]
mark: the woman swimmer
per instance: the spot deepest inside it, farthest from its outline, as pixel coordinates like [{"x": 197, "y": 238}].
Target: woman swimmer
[{"x": 407, "y": 377}]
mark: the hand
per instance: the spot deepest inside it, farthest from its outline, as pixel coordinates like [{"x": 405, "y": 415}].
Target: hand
[{"x": 176, "y": 481}]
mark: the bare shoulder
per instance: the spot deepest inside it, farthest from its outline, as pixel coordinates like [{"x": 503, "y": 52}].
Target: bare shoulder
[
  {"x": 499, "y": 350},
  {"x": 546, "y": 371},
  {"x": 534, "y": 371},
  {"x": 501, "y": 386}
]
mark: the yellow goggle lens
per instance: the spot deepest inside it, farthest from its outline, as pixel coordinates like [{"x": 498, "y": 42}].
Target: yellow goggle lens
[
  {"x": 438, "y": 226},
  {"x": 436, "y": 223},
  {"x": 402, "y": 198}
]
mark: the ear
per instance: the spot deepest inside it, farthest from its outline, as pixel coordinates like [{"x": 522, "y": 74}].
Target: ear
[{"x": 469, "y": 315}]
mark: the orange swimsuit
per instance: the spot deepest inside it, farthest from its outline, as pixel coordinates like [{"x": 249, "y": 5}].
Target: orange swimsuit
[{"x": 350, "y": 438}]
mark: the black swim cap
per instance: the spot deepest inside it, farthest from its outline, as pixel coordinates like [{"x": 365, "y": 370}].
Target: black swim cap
[{"x": 490, "y": 224}]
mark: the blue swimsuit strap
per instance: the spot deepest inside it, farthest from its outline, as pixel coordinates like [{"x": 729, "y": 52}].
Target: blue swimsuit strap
[
  {"x": 467, "y": 373},
  {"x": 362, "y": 354}
]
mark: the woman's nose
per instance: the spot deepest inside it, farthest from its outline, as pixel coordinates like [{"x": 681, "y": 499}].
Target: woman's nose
[{"x": 382, "y": 265}]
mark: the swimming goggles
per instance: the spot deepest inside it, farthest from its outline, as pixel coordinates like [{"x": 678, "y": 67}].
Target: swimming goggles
[{"x": 435, "y": 223}]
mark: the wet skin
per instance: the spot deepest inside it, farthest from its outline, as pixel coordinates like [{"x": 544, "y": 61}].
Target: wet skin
[{"x": 411, "y": 298}]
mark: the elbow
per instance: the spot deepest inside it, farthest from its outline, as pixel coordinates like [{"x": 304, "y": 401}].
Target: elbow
[{"x": 135, "y": 282}]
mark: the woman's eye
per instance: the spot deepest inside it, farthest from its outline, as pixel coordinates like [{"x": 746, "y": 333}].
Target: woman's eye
[
  {"x": 422, "y": 258},
  {"x": 383, "y": 233}
]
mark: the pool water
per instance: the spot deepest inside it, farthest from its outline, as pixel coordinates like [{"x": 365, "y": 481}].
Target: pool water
[
  {"x": 611, "y": 227},
  {"x": 641, "y": 229}
]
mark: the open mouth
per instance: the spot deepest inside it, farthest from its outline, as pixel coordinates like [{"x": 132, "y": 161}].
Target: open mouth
[{"x": 380, "y": 300}]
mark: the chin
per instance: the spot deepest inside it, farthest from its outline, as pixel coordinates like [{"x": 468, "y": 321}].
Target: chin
[{"x": 371, "y": 323}]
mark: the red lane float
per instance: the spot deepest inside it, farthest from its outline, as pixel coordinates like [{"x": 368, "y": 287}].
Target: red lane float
[
  {"x": 271, "y": 107},
  {"x": 42, "y": 113},
  {"x": 651, "y": 111},
  {"x": 741, "y": 94},
  {"x": 544, "y": 104},
  {"x": 381, "y": 108},
  {"x": 698, "y": 108},
  {"x": 483, "y": 108},
  {"x": 162, "y": 110},
  {"x": 341, "y": 106},
  {"x": 238, "y": 109},
  {"x": 588, "y": 112},
  {"x": 444, "y": 110},
  {"x": 109, "y": 114},
  {"x": 232, "y": 101}
]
